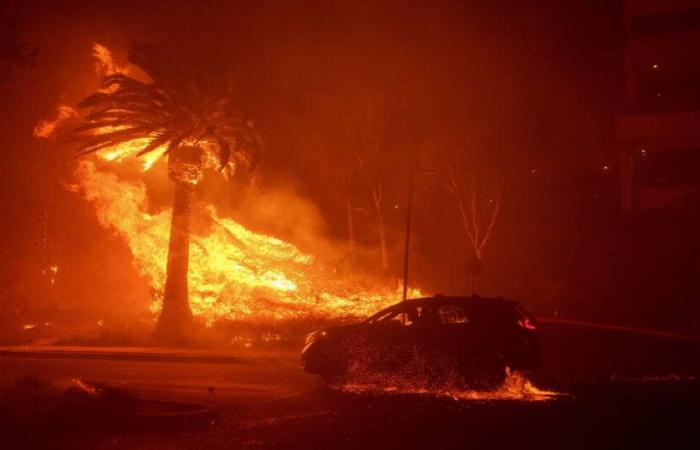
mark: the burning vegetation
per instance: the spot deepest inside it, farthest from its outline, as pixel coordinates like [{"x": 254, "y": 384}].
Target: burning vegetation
[
  {"x": 197, "y": 262},
  {"x": 235, "y": 273}
]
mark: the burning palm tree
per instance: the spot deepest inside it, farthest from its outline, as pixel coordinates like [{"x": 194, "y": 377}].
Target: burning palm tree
[{"x": 187, "y": 116}]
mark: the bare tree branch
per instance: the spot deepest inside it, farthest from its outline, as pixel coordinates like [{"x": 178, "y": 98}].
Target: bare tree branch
[
  {"x": 494, "y": 217},
  {"x": 470, "y": 214}
]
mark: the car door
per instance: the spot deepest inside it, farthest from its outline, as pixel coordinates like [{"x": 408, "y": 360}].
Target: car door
[
  {"x": 450, "y": 335},
  {"x": 388, "y": 341}
]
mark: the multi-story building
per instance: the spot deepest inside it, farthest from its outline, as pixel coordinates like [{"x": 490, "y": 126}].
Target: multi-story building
[{"x": 659, "y": 131}]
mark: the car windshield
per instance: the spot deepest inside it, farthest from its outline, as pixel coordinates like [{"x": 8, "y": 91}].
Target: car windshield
[
  {"x": 385, "y": 315},
  {"x": 405, "y": 315},
  {"x": 440, "y": 312}
]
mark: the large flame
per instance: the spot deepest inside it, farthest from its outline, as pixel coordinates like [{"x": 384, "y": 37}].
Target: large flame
[{"x": 234, "y": 273}]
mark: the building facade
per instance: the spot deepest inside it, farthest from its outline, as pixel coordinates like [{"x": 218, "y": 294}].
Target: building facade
[{"x": 659, "y": 130}]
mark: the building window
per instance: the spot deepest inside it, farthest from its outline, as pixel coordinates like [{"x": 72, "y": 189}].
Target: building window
[
  {"x": 664, "y": 23},
  {"x": 668, "y": 90},
  {"x": 667, "y": 168}
]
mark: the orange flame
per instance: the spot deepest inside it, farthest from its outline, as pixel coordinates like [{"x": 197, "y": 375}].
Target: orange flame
[
  {"x": 47, "y": 128},
  {"x": 104, "y": 62},
  {"x": 234, "y": 273}
]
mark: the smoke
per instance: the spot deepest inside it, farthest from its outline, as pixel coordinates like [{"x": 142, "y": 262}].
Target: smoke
[{"x": 281, "y": 211}]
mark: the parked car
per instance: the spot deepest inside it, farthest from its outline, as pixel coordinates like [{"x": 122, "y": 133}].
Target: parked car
[{"x": 472, "y": 339}]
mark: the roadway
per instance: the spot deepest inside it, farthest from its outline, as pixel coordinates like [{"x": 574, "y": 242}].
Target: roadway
[{"x": 264, "y": 401}]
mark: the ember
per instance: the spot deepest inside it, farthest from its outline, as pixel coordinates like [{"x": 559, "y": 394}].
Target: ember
[{"x": 516, "y": 387}]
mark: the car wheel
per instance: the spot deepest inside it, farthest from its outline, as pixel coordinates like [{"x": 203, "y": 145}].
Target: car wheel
[
  {"x": 334, "y": 371},
  {"x": 485, "y": 371}
]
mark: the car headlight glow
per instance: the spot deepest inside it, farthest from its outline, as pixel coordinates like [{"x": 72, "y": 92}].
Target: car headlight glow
[{"x": 315, "y": 336}]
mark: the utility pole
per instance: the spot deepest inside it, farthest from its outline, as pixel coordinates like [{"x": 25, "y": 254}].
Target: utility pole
[
  {"x": 409, "y": 211},
  {"x": 407, "y": 243}
]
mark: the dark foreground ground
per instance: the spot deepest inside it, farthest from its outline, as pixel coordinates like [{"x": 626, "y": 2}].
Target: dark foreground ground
[
  {"x": 266, "y": 402},
  {"x": 270, "y": 404}
]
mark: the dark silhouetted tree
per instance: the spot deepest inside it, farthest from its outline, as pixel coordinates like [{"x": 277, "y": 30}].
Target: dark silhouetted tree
[{"x": 193, "y": 114}]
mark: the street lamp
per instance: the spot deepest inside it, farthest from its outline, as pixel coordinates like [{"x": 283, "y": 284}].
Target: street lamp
[{"x": 409, "y": 209}]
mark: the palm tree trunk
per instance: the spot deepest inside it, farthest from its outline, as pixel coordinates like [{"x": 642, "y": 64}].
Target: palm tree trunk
[{"x": 176, "y": 315}]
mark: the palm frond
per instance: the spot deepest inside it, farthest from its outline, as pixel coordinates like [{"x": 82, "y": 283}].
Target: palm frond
[
  {"x": 156, "y": 142},
  {"x": 179, "y": 104},
  {"x": 100, "y": 141},
  {"x": 224, "y": 150}
]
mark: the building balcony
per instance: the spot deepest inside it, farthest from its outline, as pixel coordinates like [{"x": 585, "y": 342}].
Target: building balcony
[
  {"x": 634, "y": 8},
  {"x": 680, "y": 125}
]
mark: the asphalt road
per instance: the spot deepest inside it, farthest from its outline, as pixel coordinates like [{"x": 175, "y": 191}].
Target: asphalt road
[
  {"x": 267, "y": 402},
  {"x": 205, "y": 377}
]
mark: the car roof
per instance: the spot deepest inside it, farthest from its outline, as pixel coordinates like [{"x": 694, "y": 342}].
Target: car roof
[{"x": 473, "y": 301}]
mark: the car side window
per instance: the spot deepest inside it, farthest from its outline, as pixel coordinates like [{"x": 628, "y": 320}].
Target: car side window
[
  {"x": 406, "y": 316},
  {"x": 453, "y": 314},
  {"x": 398, "y": 318},
  {"x": 389, "y": 315}
]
